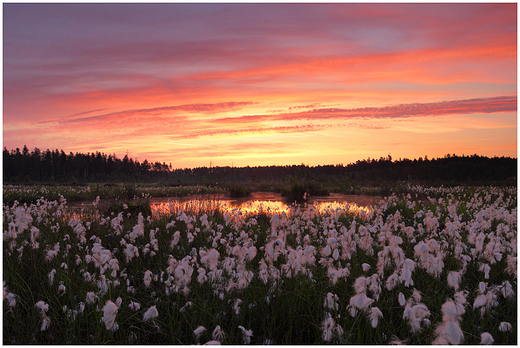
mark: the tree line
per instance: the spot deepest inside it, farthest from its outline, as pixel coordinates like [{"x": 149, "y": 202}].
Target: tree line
[
  {"x": 57, "y": 166},
  {"x": 24, "y": 166}
]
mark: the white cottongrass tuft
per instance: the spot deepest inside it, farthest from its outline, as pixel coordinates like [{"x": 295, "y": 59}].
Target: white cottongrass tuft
[
  {"x": 147, "y": 279},
  {"x": 392, "y": 281},
  {"x": 90, "y": 297},
  {"x": 11, "y": 299},
  {"x": 151, "y": 313},
  {"x": 507, "y": 290},
  {"x": 361, "y": 301},
  {"x": 460, "y": 297},
  {"x": 416, "y": 315},
  {"x": 51, "y": 276},
  {"x": 130, "y": 252},
  {"x": 212, "y": 343},
  {"x": 454, "y": 280},
  {"x": 451, "y": 311},
  {"x": 42, "y": 306},
  {"x": 109, "y": 315},
  {"x": 448, "y": 332},
  {"x": 199, "y": 331},
  {"x": 246, "y": 334},
  {"x": 331, "y": 301},
  {"x": 482, "y": 287},
  {"x": 406, "y": 272},
  {"x": 360, "y": 285},
  {"x": 486, "y": 269},
  {"x": 236, "y": 306},
  {"x": 209, "y": 259},
  {"x": 486, "y": 338},
  {"x": 218, "y": 334},
  {"x": 134, "y": 306},
  {"x": 46, "y": 321},
  {"x": 480, "y": 301},
  {"x": 329, "y": 327},
  {"x": 402, "y": 299},
  {"x": 505, "y": 326},
  {"x": 375, "y": 314}
]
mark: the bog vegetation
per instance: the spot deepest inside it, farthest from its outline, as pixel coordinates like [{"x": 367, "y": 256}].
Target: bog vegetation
[{"x": 430, "y": 265}]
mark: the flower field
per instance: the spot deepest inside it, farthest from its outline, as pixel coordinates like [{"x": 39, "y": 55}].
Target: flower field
[{"x": 434, "y": 266}]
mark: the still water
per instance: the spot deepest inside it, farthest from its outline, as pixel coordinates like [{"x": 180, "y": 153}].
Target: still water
[{"x": 269, "y": 202}]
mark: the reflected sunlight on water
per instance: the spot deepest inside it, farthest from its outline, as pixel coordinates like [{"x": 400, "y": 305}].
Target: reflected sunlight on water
[{"x": 262, "y": 202}]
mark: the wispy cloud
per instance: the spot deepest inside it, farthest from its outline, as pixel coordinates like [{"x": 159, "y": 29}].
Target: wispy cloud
[
  {"x": 87, "y": 112},
  {"x": 443, "y": 108},
  {"x": 235, "y": 125},
  {"x": 189, "y": 121},
  {"x": 163, "y": 110},
  {"x": 254, "y": 130}
]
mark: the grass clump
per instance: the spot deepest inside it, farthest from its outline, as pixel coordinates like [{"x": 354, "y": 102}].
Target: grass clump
[{"x": 239, "y": 191}]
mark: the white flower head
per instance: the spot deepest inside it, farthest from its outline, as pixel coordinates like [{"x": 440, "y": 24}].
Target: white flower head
[
  {"x": 375, "y": 314},
  {"x": 42, "y": 306},
  {"x": 134, "y": 306},
  {"x": 505, "y": 326},
  {"x": 199, "y": 331},
  {"x": 46, "y": 322},
  {"x": 91, "y": 297},
  {"x": 218, "y": 334},
  {"x": 460, "y": 297},
  {"x": 361, "y": 301},
  {"x": 454, "y": 280},
  {"x": 247, "y": 334},
  {"x": 452, "y": 311},
  {"x": 147, "y": 279},
  {"x": 51, "y": 276},
  {"x": 448, "y": 332},
  {"x": 329, "y": 327},
  {"x": 151, "y": 313},
  {"x": 486, "y": 338},
  {"x": 212, "y": 343},
  {"x": 109, "y": 315},
  {"x": 402, "y": 299},
  {"x": 11, "y": 299},
  {"x": 331, "y": 301}
]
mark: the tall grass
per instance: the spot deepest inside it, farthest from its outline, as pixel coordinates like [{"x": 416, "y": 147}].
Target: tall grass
[
  {"x": 30, "y": 194},
  {"x": 204, "y": 265}
]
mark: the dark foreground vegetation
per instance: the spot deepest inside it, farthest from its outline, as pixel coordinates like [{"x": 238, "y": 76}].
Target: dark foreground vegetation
[
  {"x": 37, "y": 166},
  {"x": 417, "y": 271}
]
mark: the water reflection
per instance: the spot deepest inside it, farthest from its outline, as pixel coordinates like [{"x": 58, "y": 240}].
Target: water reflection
[{"x": 258, "y": 202}]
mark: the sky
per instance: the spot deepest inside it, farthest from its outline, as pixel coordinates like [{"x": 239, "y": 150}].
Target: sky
[{"x": 261, "y": 84}]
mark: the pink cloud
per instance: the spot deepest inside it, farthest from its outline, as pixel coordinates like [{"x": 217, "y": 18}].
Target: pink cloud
[
  {"x": 142, "y": 114},
  {"x": 253, "y": 130},
  {"x": 443, "y": 108}
]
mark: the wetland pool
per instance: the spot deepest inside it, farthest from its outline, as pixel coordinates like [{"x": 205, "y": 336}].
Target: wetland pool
[{"x": 260, "y": 202}]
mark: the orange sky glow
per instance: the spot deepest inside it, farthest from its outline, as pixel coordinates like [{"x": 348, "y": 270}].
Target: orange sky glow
[{"x": 261, "y": 84}]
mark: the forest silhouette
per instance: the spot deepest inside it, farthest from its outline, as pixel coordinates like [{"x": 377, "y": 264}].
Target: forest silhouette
[{"x": 54, "y": 166}]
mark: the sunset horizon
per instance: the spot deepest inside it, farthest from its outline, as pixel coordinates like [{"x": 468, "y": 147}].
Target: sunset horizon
[{"x": 261, "y": 84}]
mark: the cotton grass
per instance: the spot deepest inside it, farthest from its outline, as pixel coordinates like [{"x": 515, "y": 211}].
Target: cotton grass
[{"x": 436, "y": 266}]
